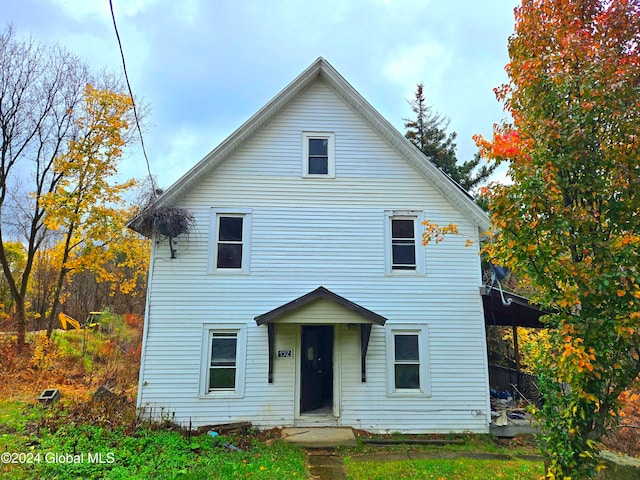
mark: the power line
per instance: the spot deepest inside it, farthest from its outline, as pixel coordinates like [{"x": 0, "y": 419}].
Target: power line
[{"x": 135, "y": 111}]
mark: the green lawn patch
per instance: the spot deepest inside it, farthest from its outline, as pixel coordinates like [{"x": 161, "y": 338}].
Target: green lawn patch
[
  {"x": 95, "y": 452},
  {"x": 469, "y": 457},
  {"x": 444, "y": 468},
  {"x": 55, "y": 443}
]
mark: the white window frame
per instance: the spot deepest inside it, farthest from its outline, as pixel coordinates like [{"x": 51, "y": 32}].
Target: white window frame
[
  {"x": 331, "y": 156},
  {"x": 243, "y": 213},
  {"x": 417, "y": 217},
  {"x": 423, "y": 354},
  {"x": 208, "y": 329}
]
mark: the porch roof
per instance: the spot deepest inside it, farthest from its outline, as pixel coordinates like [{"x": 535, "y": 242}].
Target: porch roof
[
  {"x": 520, "y": 312},
  {"x": 319, "y": 293},
  {"x": 368, "y": 319}
]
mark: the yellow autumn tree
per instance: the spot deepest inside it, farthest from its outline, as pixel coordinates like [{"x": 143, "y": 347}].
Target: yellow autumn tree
[
  {"x": 88, "y": 208},
  {"x": 123, "y": 261}
]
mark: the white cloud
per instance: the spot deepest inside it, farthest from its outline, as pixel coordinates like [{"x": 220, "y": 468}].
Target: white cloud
[
  {"x": 406, "y": 4},
  {"x": 426, "y": 62},
  {"x": 82, "y": 9},
  {"x": 179, "y": 153},
  {"x": 187, "y": 10}
]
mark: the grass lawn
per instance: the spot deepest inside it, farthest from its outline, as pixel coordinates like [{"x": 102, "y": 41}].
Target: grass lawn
[
  {"x": 449, "y": 461},
  {"x": 449, "y": 469}
]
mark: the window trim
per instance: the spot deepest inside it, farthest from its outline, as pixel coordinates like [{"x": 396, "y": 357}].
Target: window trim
[
  {"x": 417, "y": 217},
  {"x": 423, "y": 354},
  {"x": 331, "y": 157},
  {"x": 208, "y": 329},
  {"x": 245, "y": 214}
]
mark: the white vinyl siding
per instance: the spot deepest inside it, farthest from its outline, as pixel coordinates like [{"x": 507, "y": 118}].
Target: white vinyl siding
[{"x": 305, "y": 234}]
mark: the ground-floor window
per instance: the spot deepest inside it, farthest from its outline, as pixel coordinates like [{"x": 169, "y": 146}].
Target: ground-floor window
[
  {"x": 223, "y": 360},
  {"x": 407, "y": 360},
  {"x": 222, "y": 368}
]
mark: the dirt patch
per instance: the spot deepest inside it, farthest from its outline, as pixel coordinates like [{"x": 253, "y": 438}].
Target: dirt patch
[{"x": 626, "y": 438}]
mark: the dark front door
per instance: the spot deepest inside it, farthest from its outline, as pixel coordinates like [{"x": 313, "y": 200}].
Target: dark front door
[{"x": 316, "y": 369}]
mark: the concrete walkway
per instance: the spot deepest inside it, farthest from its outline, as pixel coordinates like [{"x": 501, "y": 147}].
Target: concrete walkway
[
  {"x": 324, "y": 463},
  {"x": 418, "y": 455}
]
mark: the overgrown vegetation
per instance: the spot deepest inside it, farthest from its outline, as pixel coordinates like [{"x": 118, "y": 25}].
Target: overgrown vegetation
[
  {"x": 58, "y": 439},
  {"x": 76, "y": 361},
  {"x": 62, "y": 212},
  {"x": 105, "y": 439}
]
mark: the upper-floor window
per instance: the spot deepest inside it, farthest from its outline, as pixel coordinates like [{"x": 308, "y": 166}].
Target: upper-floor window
[
  {"x": 230, "y": 233},
  {"x": 318, "y": 154},
  {"x": 230, "y": 241},
  {"x": 403, "y": 243},
  {"x": 404, "y": 251}
]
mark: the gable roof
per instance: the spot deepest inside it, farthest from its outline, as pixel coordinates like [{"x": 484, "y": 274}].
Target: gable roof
[
  {"x": 322, "y": 69},
  {"x": 312, "y": 296}
]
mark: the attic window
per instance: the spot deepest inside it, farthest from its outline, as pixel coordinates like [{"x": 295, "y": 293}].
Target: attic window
[{"x": 318, "y": 155}]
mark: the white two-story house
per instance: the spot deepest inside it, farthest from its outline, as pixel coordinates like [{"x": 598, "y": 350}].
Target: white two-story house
[{"x": 303, "y": 295}]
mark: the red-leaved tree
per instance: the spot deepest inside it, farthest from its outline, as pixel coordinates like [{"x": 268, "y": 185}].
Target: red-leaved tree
[{"x": 569, "y": 223}]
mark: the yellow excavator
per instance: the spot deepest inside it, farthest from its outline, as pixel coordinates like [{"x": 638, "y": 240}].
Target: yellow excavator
[{"x": 67, "y": 322}]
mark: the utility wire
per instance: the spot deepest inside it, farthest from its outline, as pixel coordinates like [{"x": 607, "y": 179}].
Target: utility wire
[{"x": 135, "y": 111}]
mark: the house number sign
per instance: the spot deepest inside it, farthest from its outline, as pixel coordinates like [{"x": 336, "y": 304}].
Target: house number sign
[{"x": 284, "y": 353}]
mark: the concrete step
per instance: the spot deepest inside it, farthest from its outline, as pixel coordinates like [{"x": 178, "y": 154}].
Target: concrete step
[{"x": 319, "y": 437}]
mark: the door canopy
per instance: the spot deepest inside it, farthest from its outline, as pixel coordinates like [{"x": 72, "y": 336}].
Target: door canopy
[
  {"x": 284, "y": 312},
  {"x": 301, "y": 311}
]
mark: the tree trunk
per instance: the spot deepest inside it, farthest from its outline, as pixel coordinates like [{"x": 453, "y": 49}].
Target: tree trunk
[
  {"x": 21, "y": 320},
  {"x": 56, "y": 298},
  {"x": 17, "y": 294}
]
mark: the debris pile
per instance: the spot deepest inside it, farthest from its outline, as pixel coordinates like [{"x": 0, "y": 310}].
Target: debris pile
[{"x": 507, "y": 410}]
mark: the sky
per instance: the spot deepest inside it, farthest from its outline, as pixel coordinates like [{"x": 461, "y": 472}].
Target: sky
[{"x": 205, "y": 66}]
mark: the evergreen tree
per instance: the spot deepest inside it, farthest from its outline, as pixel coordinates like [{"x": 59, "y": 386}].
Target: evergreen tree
[{"x": 428, "y": 132}]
